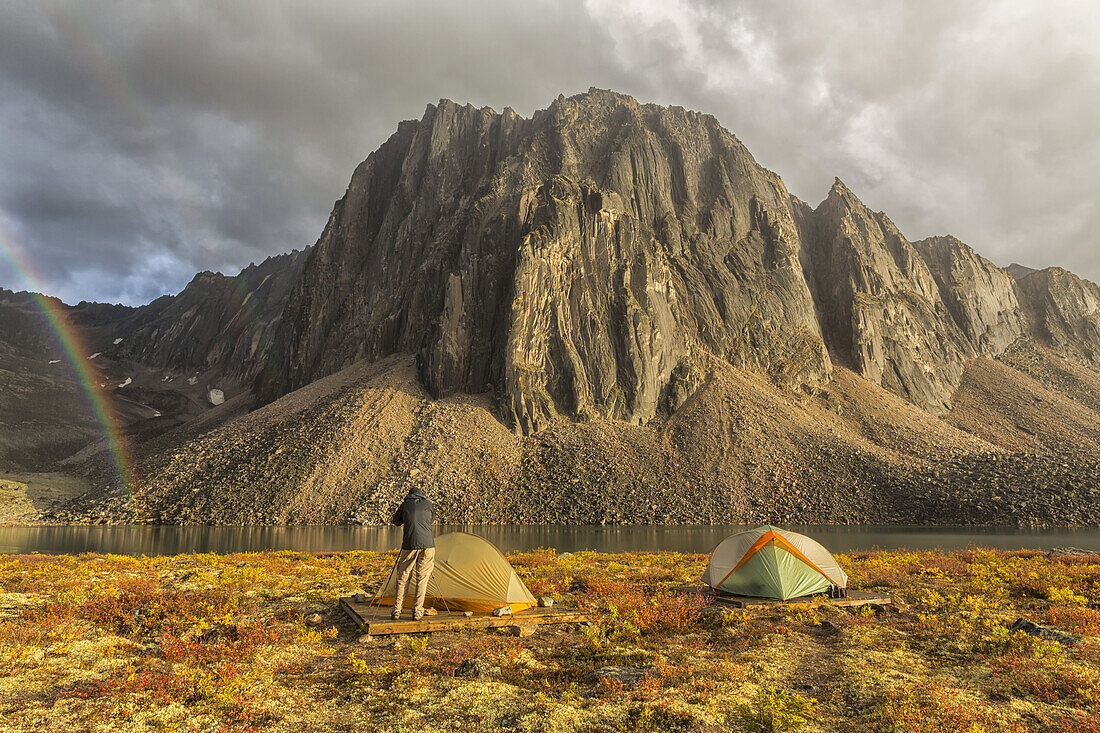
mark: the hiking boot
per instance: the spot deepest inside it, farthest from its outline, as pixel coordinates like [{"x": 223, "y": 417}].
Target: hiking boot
[
  {"x": 417, "y": 615},
  {"x": 430, "y": 612},
  {"x": 395, "y": 614}
]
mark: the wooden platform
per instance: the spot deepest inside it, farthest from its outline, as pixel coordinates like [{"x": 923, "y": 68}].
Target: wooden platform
[
  {"x": 376, "y": 621},
  {"x": 855, "y": 598}
]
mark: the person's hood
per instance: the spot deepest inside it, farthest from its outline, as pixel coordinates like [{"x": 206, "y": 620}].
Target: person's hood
[{"x": 417, "y": 494}]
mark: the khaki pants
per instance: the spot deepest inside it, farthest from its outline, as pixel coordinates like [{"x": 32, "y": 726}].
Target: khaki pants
[{"x": 424, "y": 561}]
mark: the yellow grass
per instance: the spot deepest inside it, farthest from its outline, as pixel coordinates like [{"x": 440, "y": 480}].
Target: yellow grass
[{"x": 225, "y": 642}]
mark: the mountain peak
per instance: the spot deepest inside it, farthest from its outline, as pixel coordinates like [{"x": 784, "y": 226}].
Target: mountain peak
[
  {"x": 594, "y": 178},
  {"x": 1018, "y": 271},
  {"x": 841, "y": 198},
  {"x": 839, "y": 189},
  {"x": 467, "y": 237},
  {"x": 594, "y": 94}
]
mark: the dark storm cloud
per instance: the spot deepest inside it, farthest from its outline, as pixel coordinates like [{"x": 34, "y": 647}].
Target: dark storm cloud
[{"x": 142, "y": 142}]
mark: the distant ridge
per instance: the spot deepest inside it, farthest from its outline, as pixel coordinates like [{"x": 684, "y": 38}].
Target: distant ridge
[{"x": 1019, "y": 271}]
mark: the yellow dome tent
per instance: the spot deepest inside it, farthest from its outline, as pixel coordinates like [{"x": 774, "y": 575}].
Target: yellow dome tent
[
  {"x": 470, "y": 575},
  {"x": 769, "y": 562}
]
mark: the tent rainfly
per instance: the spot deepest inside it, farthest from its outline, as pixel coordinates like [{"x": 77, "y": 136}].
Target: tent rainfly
[
  {"x": 470, "y": 574},
  {"x": 769, "y": 562}
]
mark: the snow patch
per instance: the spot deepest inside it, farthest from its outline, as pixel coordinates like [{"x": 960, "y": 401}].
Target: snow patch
[
  {"x": 192, "y": 380},
  {"x": 216, "y": 396},
  {"x": 94, "y": 355},
  {"x": 55, "y": 361},
  {"x": 117, "y": 341},
  {"x": 128, "y": 381},
  {"x": 156, "y": 413}
]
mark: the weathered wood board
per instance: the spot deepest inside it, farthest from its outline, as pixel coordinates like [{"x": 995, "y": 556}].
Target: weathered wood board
[
  {"x": 376, "y": 621},
  {"x": 855, "y": 598}
]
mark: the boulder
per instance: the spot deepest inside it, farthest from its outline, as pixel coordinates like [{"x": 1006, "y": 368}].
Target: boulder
[
  {"x": 1033, "y": 629},
  {"x": 476, "y": 668},
  {"x": 627, "y": 676}
]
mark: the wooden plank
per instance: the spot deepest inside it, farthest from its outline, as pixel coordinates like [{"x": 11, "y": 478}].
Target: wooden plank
[
  {"x": 375, "y": 620},
  {"x": 855, "y": 598}
]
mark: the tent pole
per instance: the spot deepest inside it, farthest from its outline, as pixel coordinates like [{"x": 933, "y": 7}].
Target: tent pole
[{"x": 377, "y": 597}]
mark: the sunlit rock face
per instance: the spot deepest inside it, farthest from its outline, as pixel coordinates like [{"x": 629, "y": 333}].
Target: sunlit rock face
[
  {"x": 980, "y": 296},
  {"x": 1064, "y": 311},
  {"x": 573, "y": 263},
  {"x": 588, "y": 262},
  {"x": 907, "y": 316}
]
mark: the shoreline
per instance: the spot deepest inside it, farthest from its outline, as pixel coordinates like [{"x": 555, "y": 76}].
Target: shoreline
[
  {"x": 176, "y": 539},
  {"x": 607, "y": 525}
]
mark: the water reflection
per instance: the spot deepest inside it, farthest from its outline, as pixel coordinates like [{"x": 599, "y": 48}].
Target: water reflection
[{"x": 176, "y": 540}]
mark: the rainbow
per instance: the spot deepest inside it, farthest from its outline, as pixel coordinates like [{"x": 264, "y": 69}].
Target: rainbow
[
  {"x": 75, "y": 352},
  {"x": 67, "y": 337}
]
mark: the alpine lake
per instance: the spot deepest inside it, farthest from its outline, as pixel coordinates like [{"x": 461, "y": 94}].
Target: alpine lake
[{"x": 174, "y": 540}]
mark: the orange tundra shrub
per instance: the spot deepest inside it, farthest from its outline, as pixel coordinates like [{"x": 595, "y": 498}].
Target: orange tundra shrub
[
  {"x": 650, "y": 611},
  {"x": 1082, "y": 724},
  {"x": 1084, "y": 621},
  {"x": 928, "y": 707},
  {"x": 141, "y": 608},
  {"x": 1047, "y": 679}
]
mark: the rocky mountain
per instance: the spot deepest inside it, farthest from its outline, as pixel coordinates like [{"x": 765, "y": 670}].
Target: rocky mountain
[
  {"x": 611, "y": 312},
  {"x": 1064, "y": 312},
  {"x": 1019, "y": 271},
  {"x": 155, "y": 365},
  {"x": 571, "y": 263},
  {"x": 217, "y": 324}
]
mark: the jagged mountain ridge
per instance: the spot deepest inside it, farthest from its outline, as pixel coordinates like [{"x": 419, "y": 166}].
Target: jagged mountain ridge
[
  {"x": 155, "y": 364},
  {"x": 1064, "y": 311},
  {"x": 218, "y": 324},
  {"x": 574, "y": 263},
  {"x": 520, "y": 254}
]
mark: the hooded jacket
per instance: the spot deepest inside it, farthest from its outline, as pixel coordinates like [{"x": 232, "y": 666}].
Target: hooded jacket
[{"x": 415, "y": 516}]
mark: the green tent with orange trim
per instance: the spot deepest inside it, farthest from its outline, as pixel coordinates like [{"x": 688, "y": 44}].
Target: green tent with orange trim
[{"x": 769, "y": 562}]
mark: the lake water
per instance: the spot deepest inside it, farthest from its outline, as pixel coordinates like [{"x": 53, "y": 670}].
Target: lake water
[{"x": 145, "y": 540}]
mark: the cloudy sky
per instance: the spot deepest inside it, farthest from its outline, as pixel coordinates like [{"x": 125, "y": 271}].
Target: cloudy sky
[{"x": 142, "y": 142}]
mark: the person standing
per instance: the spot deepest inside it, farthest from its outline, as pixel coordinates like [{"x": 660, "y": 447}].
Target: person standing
[{"x": 415, "y": 515}]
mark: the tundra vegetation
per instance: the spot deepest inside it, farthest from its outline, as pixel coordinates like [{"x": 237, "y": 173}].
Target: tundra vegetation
[{"x": 245, "y": 642}]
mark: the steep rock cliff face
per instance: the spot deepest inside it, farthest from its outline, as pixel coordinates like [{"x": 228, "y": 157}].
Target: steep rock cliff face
[
  {"x": 980, "y": 296},
  {"x": 1064, "y": 312},
  {"x": 880, "y": 306},
  {"x": 570, "y": 263},
  {"x": 576, "y": 264}
]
